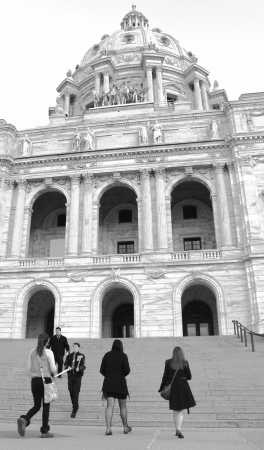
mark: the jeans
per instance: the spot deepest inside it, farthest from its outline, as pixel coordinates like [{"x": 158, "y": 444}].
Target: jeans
[
  {"x": 37, "y": 390},
  {"x": 74, "y": 386},
  {"x": 59, "y": 361}
]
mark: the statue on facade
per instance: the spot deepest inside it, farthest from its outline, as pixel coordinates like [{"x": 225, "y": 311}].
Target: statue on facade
[
  {"x": 69, "y": 74},
  {"x": 157, "y": 133},
  {"x": 215, "y": 85},
  {"x": 59, "y": 111},
  {"x": 104, "y": 99},
  {"x": 143, "y": 134},
  {"x": 89, "y": 137},
  {"x": 76, "y": 142},
  {"x": 114, "y": 95},
  {"x": 142, "y": 95},
  {"x": 97, "y": 99},
  {"x": 213, "y": 129},
  {"x": 26, "y": 144}
]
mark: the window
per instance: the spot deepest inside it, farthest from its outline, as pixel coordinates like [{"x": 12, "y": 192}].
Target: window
[
  {"x": 125, "y": 247},
  {"x": 189, "y": 212},
  {"x": 192, "y": 243},
  {"x": 61, "y": 220},
  {"x": 125, "y": 216}
]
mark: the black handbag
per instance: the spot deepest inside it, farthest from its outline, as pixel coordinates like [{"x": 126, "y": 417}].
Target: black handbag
[{"x": 165, "y": 393}]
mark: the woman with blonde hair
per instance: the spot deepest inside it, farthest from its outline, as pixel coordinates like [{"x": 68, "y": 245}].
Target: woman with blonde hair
[{"x": 177, "y": 372}]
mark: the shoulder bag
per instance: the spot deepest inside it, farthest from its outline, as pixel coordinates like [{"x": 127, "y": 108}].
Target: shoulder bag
[
  {"x": 165, "y": 393},
  {"x": 50, "y": 389}
]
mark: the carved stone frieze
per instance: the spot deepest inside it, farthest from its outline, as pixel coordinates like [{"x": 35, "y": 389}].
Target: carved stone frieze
[
  {"x": 77, "y": 277},
  {"x": 257, "y": 160},
  {"x": 155, "y": 274},
  {"x": 132, "y": 177},
  {"x": 22, "y": 183},
  {"x": 33, "y": 184},
  {"x": 206, "y": 171},
  {"x": 98, "y": 180},
  {"x": 160, "y": 172},
  {"x": 116, "y": 273},
  {"x": 246, "y": 161},
  {"x": 9, "y": 184}
]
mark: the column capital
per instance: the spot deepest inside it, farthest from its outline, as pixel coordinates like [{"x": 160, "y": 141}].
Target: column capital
[
  {"x": 88, "y": 178},
  {"x": 218, "y": 168},
  {"x": 159, "y": 69},
  {"x": 9, "y": 184},
  {"x": 67, "y": 93},
  {"x": 160, "y": 172},
  {"x": 22, "y": 184},
  {"x": 145, "y": 174},
  {"x": 75, "y": 179},
  {"x": 149, "y": 68},
  {"x": 246, "y": 161}
]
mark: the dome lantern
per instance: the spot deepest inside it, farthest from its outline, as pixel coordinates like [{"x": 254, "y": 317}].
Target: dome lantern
[{"x": 134, "y": 19}]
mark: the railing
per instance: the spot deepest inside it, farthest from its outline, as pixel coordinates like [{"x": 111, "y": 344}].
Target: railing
[
  {"x": 131, "y": 258},
  {"x": 180, "y": 256},
  {"x": 241, "y": 331},
  {"x": 27, "y": 262},
  {"x": 212, "y": 254},
  {"x": 101, "y": 260},
  {"x": 55, "y": 262},
  {"x": 31, "y": 262}
]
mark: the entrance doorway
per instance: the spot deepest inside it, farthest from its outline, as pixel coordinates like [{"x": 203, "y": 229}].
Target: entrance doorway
[
  {"x": 40, "y": 314},
  {"x": 123, "y": 321},
  {"x": 197, "y": 319},
  {"x": 118, "y": 313}
]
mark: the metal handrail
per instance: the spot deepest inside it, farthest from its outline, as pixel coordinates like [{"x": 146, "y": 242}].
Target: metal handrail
[{"x": 240, "y": 330}]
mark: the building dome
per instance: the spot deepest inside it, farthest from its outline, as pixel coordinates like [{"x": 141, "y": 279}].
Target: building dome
[{"x": 126, "y": 45}]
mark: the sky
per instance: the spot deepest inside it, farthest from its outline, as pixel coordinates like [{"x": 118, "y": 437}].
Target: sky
[{"x": 42, "y": 39}]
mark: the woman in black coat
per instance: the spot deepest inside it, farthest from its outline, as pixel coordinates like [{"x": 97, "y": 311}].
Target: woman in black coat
[
  {"x": 180, "y": 395},
  {"x": 115, "y": 368}
]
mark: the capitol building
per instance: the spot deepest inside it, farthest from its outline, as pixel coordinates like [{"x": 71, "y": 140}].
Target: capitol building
[{"x": 138, "y": 210}]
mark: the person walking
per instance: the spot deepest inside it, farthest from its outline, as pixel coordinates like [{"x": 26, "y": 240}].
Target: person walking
[
  {"x": 115, "y": 368},
  {"x": 76, "y": 361},
  {"x": 180, "y": 395},
  {"x": 58, "y": 344},
  {"x": 44, "y": 357}
]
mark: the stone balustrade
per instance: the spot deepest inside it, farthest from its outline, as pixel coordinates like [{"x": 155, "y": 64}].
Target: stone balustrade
[
  {"x": 131, "y": 258},
  {"x": 102, "y": 260},
  {"x": 212, "y": 254},
  {"x": 27, "y": 262},
  {"x": 180, "y": 256},
  {"x": 55, "y": 261}
]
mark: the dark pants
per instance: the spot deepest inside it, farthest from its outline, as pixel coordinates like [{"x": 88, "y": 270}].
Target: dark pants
[
  {"x": 59, "y": 361},
  {"x": 37, "y": 390},
  {"x": 74, "y": 386}
]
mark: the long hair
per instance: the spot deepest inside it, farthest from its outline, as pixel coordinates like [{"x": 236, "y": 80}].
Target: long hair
[
  {"x": 42, "y": 341},
  {"x": 117, "y": 345},
  {"x": 178, "y": 359}
]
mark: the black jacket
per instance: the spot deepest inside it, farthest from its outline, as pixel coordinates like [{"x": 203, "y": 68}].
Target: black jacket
[
  {"x": 115, "y": 368},
  {"x": 75, "y": 360},
  {"x": 58, "y": 346}
]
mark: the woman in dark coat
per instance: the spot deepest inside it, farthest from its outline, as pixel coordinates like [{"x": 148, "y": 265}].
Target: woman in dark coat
[
  {"x": 115, "y": 368},
  {"x": 180, "y": 395}
]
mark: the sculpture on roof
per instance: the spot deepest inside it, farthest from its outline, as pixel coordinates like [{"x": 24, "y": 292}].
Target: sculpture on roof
[{"x": 59, "y": 111}]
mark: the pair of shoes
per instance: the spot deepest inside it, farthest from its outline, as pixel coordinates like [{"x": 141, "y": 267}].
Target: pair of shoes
[
  {"x": 47, "y": 435},
  {"x": 179, "y": 434},
  {"x": 21, "y": 426},
  {"x": 73, "y": 414},
  {"x": 108, "y": 433},
  {"x": 128, "y": 430}
]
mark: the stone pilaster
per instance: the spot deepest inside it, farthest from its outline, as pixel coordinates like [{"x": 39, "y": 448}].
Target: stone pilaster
[
  {"x": 237, "y": 202},
  {"x": 95, "y": 231},
  {"x": 159, "y": 84},
  {"x": 162, "y": 235},
  {"x": 247, "y": 181},
  {"x": 226, "y": 238},
  {"x": 74, "y": 216},
  {"x": 26, "y": 231},
  {"x": 204, "y": 97},
  {"x": 147, "y": 232},
  {"x": 87, "y": 230},
  {"x": 197, "y": 94},
  {"x": 150, "y": 84},
  {"x": 67, "y": 102},
  {"x": 18, "y": 221}
]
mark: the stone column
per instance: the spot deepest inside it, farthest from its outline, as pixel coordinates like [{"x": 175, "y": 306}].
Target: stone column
[
  {"x": 147, "y": 233},
  {"x": 217, "y": 224},
  {"x": 197, "y": 94},
  {"x": 2, "y": 208},
  {"x": 237, "y": 202},
  {"x": 95, "y": 233},
  {"x": 150, "y": 84},
  {"x": 169, "y": 222},
  {"x": 18, "y": 221},
  {"x": 162, "y": 233},
  {"x": 97, "y": 83},
  {"x": 159, "y": 84},
  {"x": 223, "y": 208},
  {"x": 26, "y": 231},
  {"x": 74, "y": 216},
  {"x": 106, "y": 82},
  {"x": 247, "y": 180},
  {"x": 87, "y": 231},
  {"x": 204, "y": 97},
  {"x": 67, "y": 102}
]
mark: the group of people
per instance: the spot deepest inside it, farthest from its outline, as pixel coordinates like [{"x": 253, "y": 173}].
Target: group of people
[
  {"x": 120, "y": 95},
  {"x": 114, "y": 368}
]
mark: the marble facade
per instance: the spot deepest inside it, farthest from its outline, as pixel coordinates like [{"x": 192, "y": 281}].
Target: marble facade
[{"x": 85, "y": 231}]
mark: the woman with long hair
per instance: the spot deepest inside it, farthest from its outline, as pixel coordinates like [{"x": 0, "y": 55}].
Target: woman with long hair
[
  {"x": 115, "y": 368},
  {"x": 44, "y": 357},
  {"x": 180, "y": 395}
]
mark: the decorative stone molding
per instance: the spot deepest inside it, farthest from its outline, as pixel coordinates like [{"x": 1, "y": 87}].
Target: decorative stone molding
[
  {"x": 116, "y": 274},
  {"x": 246, "y": 161},
  {"x": 153, "y": 274},
  {"x": 145, "y": 174},
  {"x": 77, "y": 277},
  {"x": 33, "y": 184},
  {"x": 9, "y": 184},
  {"x": 160, "y": 172},
  {"x": 22, "y": 184},
  {"x": 250, "y": 125},
  {"x": 218, "y": 168},
  {"x": 88, "y": 178},
  {"x": 75, "y": 179}
]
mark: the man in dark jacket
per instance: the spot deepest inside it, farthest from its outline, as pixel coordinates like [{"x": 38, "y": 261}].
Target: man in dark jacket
[
  {"x": 76, "y": 361},
  {"x": 58, "y": 345}
]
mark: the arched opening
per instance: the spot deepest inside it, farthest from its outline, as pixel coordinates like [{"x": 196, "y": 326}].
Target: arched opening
[
  {"x": 118, "y": 222},
  {"x": 199, "y": 311},
  {"x": 118, "y": 314},
  {"x": 40, "y": 314},
  {"x": 48, "y": 226},
  {"x": 192, "y": 217}
]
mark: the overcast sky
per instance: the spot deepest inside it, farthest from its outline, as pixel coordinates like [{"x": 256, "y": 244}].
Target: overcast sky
[{"x": 42, "y": 39}]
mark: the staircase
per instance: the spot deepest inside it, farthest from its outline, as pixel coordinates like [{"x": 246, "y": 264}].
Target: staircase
[{"x": 228, "y": 383}]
